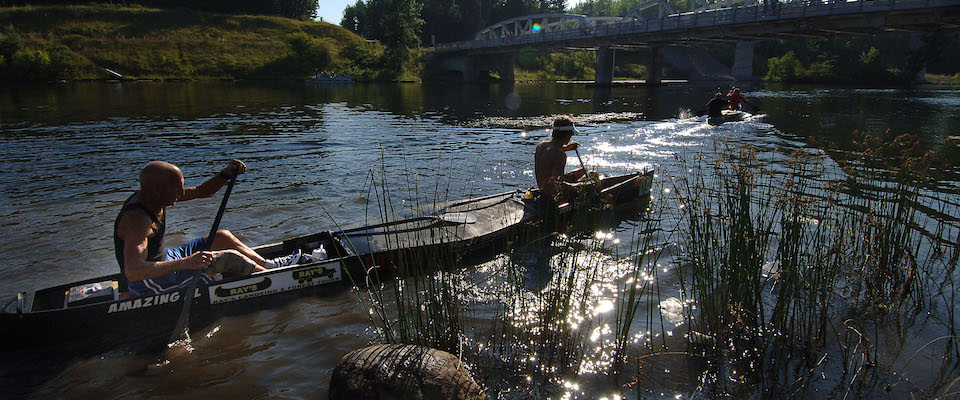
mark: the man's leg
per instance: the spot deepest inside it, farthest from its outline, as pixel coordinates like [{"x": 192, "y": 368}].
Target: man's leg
[{"x": 224, "y": 240}]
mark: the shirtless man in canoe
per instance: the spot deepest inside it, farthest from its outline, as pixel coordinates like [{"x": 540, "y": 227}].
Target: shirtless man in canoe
[{"x": 146, "y": 266}]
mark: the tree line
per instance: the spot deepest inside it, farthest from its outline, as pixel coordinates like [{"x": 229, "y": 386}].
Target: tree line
[
  {"x": 441, "y": 21},
  {"x": 404, "y": 24},
  {"x": 303, "y": 10}
]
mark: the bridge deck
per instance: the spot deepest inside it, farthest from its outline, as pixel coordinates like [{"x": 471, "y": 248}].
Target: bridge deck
[{"x": 753, "y": 22}]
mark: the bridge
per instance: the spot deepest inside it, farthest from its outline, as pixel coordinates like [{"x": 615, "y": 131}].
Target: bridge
[{"x": 651, "y": 28}]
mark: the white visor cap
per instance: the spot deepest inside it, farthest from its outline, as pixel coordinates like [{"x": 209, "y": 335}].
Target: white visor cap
[{"x": 565, "y": 129}]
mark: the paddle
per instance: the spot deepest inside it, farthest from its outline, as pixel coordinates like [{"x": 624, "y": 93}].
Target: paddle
[
  {"x": 457, "y": 218},
  {"x": 179, "y": 331},
  {"x": 582, "y": 165},
  {"x": 755, "y": 108}
]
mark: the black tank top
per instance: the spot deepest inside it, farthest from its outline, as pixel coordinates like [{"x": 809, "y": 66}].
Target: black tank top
[{"x": 155, "y": 250}]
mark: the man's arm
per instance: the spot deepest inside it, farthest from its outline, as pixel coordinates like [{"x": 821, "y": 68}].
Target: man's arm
[
  {"x": 134, "y": 228},
  {"x": 213, "y": 185}
]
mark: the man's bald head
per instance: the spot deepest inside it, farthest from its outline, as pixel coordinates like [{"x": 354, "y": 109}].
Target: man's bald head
[
  {"x": 159, "y": 172},
  {"x": 162, "y": 182}
]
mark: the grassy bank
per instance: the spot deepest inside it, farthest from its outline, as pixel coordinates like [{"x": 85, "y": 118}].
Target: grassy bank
[{"x": 78, "y": 42}]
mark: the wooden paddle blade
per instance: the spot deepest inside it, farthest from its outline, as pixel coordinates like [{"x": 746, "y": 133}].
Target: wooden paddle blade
[{"x": 458, "y": 218}]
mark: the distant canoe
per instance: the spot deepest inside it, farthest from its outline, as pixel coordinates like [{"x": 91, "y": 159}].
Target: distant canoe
[
  {"x": 727, "y": 116},
  {"x": 325, "y": 79}
]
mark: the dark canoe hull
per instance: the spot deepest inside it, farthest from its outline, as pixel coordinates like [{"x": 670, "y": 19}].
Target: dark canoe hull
[
  {"x": 356, "y": 256},
  {"x": 148, "y": 321},
  {"x": 728, "y": 116}
]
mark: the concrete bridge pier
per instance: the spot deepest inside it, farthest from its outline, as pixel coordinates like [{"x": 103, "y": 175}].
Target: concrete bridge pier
[
  {"x": 507, "y": 66},
  {"x": 606, "y": 59},
  {"x": 655, "y": 67},
  {"x": 916, "y": 64},
  {"x": 743, "y": 61}
]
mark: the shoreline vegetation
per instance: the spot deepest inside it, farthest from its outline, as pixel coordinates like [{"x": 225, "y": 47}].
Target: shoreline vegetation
[
  {"x": 110, "y": 41},
  {"x": 52, "y": 43}
]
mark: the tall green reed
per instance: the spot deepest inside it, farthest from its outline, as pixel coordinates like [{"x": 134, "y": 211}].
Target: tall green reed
[
  {"x": 779, "y": 252},
  {"x": 780, "y": 257}
]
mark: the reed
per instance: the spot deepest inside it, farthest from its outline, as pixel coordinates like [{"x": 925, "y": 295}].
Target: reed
[
  {"x": 787, "y": 265},
  {"x": 776, "y": 255}
]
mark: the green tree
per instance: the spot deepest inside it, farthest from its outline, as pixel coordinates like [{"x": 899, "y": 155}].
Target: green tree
[
  {"x": 10, "y": 43},
  {"x": 308, "y": 54},
  {"x": 304, "y": 10},
  {"x": 354, "y": 17},
  {"x": 441, "y": 22},
  {"x": 784, "y": 69},
  {"x": 402, "y": 24}
]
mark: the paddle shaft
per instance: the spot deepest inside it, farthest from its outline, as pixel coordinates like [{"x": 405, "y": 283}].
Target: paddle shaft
[
  {"x": 187, "y": 294},
  {"x": 582, "y": 165},
  {"x": 585, "y": 173}
]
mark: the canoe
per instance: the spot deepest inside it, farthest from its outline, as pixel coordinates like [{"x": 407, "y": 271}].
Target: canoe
[
  {"x": 727, "y": 116},
  {"x": 92, "y": 313}
]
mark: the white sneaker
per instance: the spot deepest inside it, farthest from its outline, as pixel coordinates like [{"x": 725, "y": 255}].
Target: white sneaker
[{"x": 287, "y": 260}]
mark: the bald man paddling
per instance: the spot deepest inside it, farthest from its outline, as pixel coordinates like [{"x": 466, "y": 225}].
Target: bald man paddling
[{"x": 146, "y": 267}]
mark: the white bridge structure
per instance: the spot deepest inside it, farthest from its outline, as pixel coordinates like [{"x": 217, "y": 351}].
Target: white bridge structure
[
  {"x": 556, "y": 22},
  {"x": 649, "y": 29}
]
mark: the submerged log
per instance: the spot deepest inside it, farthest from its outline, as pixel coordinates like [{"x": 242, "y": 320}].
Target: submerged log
[{"x": 402, "y": 372}]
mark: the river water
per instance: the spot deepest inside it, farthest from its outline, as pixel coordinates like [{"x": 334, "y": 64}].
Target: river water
[{"x": 71, "y": 154}]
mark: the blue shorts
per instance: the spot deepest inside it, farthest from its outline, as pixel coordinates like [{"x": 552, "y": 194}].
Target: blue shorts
[{"x": 172, "y": 281}]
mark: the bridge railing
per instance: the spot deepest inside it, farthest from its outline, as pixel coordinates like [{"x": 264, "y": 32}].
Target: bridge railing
[{"x": 767, "y": 11}]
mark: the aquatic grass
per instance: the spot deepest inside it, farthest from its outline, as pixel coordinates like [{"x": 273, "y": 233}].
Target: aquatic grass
[
  {"x": 788, "y": 266},
  {"x": 727, "y": 225},
  {"x": 640, "y": 279},
  {"x": 772, "y": 257}
]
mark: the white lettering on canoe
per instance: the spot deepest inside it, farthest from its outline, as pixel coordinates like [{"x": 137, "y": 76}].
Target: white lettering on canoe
[{"x": 144, "y": 302}]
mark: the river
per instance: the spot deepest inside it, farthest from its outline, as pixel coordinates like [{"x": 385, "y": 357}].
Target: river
[{"x": 71, "y": 154}]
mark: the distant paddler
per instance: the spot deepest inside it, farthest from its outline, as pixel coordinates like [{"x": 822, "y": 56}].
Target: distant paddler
[
  {"x": 716, "y": 105},
  {"x": 735, "y": 98},
  {"x": 550, "y": 161}
]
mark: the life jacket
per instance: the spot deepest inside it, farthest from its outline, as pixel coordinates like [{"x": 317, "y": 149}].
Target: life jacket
[{"x": 735, "y": 99}]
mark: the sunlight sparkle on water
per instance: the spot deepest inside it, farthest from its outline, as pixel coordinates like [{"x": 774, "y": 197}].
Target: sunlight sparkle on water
[
  {"x": 571, "y": 385},
  {"x": 603, "y": 307}
]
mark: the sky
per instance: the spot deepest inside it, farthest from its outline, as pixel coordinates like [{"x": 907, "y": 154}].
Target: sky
[{"x": 332, "y": 10}]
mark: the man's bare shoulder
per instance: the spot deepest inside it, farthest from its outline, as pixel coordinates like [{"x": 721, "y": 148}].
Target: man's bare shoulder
[{"x": 134, "y": 221}]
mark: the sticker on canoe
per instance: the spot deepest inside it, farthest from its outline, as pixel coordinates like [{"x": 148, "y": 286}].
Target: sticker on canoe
[
  {"x": 309, "y": 274},
  {"x": 144, "y": 302},
  {"x": 222, "y": 291},
  {"x": 262, "y": 285}
]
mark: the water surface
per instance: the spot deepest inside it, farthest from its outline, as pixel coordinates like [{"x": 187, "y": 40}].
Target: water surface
[{"x": 71, "y": 154}]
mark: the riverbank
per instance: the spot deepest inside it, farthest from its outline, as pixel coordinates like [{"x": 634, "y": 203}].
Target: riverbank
[{"x": 82, "y": 42}]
